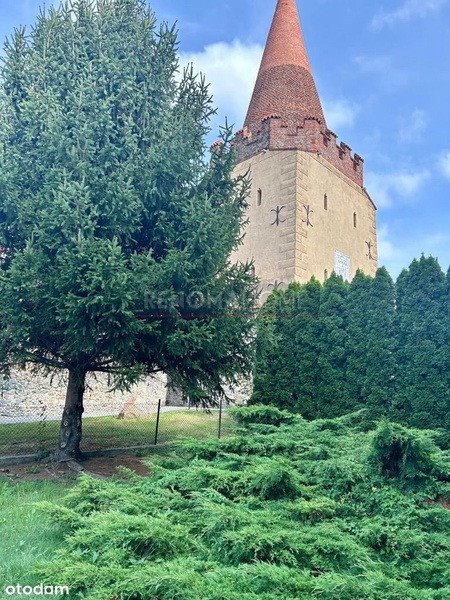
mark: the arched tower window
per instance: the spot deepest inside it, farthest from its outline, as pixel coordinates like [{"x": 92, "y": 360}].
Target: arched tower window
[
  {"x": 259, "y": 197},
  {"x": 325, "y": 202},
  {"x": 355, "y": 220},
  {"x": 325, "y": 275}
]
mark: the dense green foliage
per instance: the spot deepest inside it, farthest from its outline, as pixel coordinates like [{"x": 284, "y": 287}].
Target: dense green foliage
[
  {"x": 115, "y": 231},
  {"x": 287, "y": 335},
  {"x": 332, "y": 350},
  {"x": 108, "y": 209},
  {"x": 424, "y": 344},
  {"x": 268, "y": 415},
  {"x": 301, "y": 510},
  {"x": 327, "y": 350}
]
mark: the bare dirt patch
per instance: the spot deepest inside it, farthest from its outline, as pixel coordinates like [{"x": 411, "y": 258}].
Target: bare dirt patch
[
  {"x": 107, "y": 466},
  {"x": 445, "y": 502},
  {"x": 441, "y": 501}
]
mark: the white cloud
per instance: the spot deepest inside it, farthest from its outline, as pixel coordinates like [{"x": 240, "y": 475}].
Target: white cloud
[
  {"x": 382, "y": 66},
  {"x": 386, "y": 248},
  {"x": 435, "y": 241},
  {"x": 412, "y": 129},
  {"x": 231, "y": 69},
  {"x": 384, "y": 188},
  {"x": 394, "y": 252},
  {"x": 410, "y": 9},
  {"x": 444, "y": 164},
  {"x": 397, "y": 249},
  {"x": 340, "y": 113},
  {"x": 373, "y": 64}
]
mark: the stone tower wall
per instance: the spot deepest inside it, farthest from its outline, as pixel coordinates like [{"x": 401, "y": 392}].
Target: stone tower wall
[
  {"x": 333, "y": 228},
  {"x": 309, "y": 235},
  {"x": 272, "y": 245}
]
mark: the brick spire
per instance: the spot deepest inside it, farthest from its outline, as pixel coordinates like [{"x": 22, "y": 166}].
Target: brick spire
[{"x": 285, "y": 84}]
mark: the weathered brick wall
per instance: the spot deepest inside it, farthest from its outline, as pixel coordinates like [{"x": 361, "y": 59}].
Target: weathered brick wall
[{"x": 294, "y": 133}]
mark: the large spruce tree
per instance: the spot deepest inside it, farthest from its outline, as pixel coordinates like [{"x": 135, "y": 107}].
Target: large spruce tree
[
  {"x": 115, "y": 231},
  {"x": 422, "y": 390}
]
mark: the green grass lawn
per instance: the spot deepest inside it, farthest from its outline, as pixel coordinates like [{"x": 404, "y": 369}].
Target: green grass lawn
[
  {"x": 111, "y": 432},
  {"x": 27, "y": 536}
]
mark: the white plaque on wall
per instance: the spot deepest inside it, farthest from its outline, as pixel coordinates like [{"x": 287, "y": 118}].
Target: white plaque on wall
[{"x": 342, "y": 265}]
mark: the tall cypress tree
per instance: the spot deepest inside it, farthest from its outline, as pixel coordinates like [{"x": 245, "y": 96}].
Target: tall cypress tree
[
  {"x": 277, "y": 350},
  {"x": 115, "y": 231},
  {"x": 285, "y": 363},
  {"x": 285, "y": 371},
  {"x": 447, "y": 336},
  {"x": 332, "y": 390},
  {"x": 422, "y": 395},
  {"x": 381, "y": 342},
  {"x": 266, "y": 388},
  {"x": 305, "y": 369},
  {"x": 358, "y": 305}
]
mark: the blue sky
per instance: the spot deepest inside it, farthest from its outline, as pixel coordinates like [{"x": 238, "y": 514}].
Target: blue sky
[{"x": 383, "y": 72}]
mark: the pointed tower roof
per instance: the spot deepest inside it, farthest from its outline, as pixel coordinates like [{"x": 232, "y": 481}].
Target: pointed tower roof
[{"x": 285, "y": 84}]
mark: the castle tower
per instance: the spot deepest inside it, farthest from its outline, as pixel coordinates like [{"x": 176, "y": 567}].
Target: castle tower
[{"x": 309, "y": 213}]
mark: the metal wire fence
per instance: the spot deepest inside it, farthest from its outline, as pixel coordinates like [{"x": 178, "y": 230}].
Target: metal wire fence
[
  {"x": 39, "y": 435},
  {"x": 151, "y": 413}
]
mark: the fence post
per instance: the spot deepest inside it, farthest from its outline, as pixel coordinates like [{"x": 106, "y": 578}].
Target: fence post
[
  {"x": 220, "y": 417},
  {"x": 157, "y": 422}
]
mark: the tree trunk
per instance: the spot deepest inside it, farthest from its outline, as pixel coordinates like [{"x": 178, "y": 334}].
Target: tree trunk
[{"x": 71, "y": 429}]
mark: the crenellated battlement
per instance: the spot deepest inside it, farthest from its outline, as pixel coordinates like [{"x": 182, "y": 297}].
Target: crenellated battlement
[{"x": 307, "y": 134}]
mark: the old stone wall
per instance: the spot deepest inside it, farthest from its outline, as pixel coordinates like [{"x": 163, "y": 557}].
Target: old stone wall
[
  {"x": 31, "y": 397},
  {"x": 336, "y": 219},
  {"x": 305, "y": 218},
  {"x": 27, "y": 397},
  {"x": 270, "y": 233}
]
